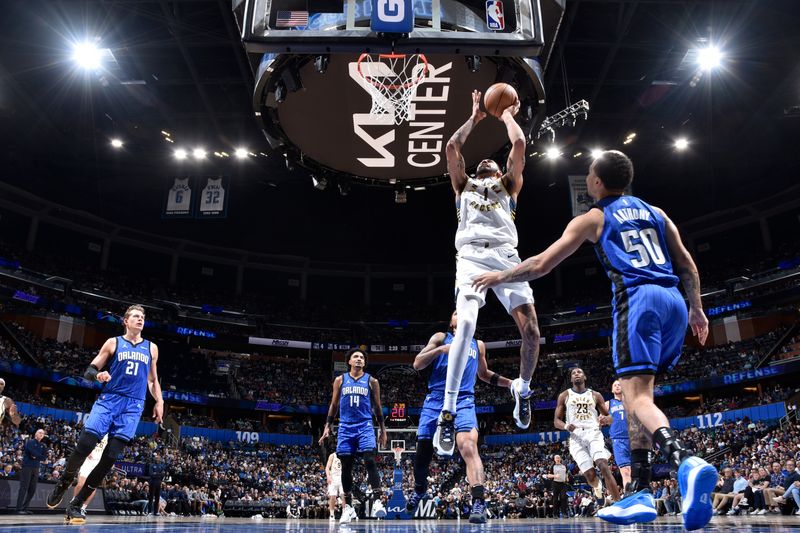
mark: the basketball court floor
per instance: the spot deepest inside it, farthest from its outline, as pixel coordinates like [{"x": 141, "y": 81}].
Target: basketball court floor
[{"x": 53, "y": 524}]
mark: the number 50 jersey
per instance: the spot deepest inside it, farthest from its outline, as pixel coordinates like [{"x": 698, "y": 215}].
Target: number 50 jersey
[
  {"x": 129, "y": 369},
  {"x": 633, "y": 245}
]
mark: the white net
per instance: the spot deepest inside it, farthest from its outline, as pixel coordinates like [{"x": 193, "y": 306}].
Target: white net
[
  {"x": 398, "y": 455},
  {"x": 392, "y": 81}
]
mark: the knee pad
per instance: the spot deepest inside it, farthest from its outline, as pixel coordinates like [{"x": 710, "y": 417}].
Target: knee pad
[{"x": 86, "y": 443}]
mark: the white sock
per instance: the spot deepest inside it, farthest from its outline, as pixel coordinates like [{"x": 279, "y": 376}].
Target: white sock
[
  {"x": 467, "y": 309},
  {"x": 524, "y": 387}
]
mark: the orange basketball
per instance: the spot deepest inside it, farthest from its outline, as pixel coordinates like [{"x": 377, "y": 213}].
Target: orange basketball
[{"x": 498, "y": 97}]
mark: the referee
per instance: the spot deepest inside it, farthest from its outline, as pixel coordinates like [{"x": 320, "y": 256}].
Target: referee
[{"x": 559, "y": 477}]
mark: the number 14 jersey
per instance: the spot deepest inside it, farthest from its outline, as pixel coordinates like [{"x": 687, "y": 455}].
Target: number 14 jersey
[{"x": 355, "y": 405}]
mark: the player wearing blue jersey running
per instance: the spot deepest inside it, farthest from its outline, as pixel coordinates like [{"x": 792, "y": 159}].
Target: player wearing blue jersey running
[
  {"x": 356, "y": 396},
  {"x": 620, "y": 443},
  {"x": 131, "y": 371},
  {"x": 638, "y": 246},
  {"x": 436, "y": 356}
]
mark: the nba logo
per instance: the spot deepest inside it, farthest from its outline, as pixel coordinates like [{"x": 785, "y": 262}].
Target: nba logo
[{"x": 494, "y": 15}]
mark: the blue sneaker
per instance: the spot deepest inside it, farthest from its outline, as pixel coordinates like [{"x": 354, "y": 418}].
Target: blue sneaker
[
  {"x": 478, "y": 513},
  {"x": 637, "y": 508},
  {"x": 413, "y": 502},
  {"x": 697, "y": 480}
]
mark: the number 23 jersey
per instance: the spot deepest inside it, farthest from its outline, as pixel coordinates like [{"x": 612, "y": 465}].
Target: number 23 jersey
[{"x": 582, "y": 409}]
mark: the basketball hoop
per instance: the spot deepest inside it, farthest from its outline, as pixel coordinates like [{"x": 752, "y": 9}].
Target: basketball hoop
[
  {"x": 392, "y": 80},
  {"x": 398, "y": 455}
]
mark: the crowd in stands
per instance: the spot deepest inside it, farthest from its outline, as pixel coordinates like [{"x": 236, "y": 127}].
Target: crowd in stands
[
  {"x": 8, "y": 352},
  {"x": 203, "y": 476},
  {"x": 790, "y": 350}
]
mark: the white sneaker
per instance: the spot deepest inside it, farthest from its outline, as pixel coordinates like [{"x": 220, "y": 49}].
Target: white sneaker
[
  {"x": 598, "y": 491},
  {"x": 522, "y": 405},
  {"x": 732, "y": 511},
  {"x": 332, "y": 518},
  {"x": 348, "y": 513},
  {"x": 378, "y": 510}
]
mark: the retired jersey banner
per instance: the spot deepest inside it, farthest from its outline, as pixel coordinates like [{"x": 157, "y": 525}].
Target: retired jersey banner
[
  {"x": 213, "y": 197},
  {"x": 178, "y": 203},
  {"x": 579, "y": 195}
]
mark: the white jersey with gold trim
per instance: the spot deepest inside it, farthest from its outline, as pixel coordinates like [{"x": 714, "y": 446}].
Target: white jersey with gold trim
[
  {"x": 582, "y": 409},
  {"x": 486, "y": 212}
]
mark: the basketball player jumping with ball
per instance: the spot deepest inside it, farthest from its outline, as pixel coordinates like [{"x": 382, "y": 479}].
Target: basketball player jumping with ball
[{"x": 486, "y": 239}]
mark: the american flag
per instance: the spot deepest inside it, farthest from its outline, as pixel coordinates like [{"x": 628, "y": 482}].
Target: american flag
[{"x": 290, "y": 19}]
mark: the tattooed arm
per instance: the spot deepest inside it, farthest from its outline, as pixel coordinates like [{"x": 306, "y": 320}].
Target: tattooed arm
[
  {"x": 455, "y": 161},
  {"x": 685, "y": 268},
  {"x": 512, "y": 180}
]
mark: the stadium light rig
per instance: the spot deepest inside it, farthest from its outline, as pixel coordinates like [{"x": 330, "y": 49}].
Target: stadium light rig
[
  {"x": 681, "y": 144},
  {"x": 565, "y": 117},
  {"x": 709, "y": 58},
  {"x": 87, "y": 55},
  {"x": 596, "y": 153}
]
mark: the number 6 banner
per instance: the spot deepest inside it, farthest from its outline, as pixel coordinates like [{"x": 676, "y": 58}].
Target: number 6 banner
[
  {"x": 178, "y": 203},
  {"x": 392, "y": 16}
]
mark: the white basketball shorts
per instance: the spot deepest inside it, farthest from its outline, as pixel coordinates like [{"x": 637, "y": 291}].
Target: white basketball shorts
[
  {"x": 473, "y": 260},
  {"x": 587, "y": 446}
]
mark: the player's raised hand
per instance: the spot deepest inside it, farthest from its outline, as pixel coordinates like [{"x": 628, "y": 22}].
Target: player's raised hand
[
  {"x": 325, "y": 434},
  {"x": 103, "y": 377},
  {"x": 486, "y": 281},
  {"x": 477, "y": 114},
  {"x": 512, "y": 110},
  {"x": 699, "y": 324}
]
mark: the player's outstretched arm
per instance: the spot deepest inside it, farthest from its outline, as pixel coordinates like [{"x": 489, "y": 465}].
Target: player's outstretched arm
[
  {"x": 580, "y": 229},
  {"x": 686, "y": 269},
  {"x": 515, "y": 164},
  {"x": 431, "y": 351},
  {"x": 334, "y": 406},
  {"x": 561, "y": 413},
  {"x": 13, "y": 412},
  {"x": 155, "y": 386},
  {"x": 106, "y": 352},
  {"x": 486, "y": 375},
  {"x": 455, "y": 161},
  {"x": 375, "y": 387}
]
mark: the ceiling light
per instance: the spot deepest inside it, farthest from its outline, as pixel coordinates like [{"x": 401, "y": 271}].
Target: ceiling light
[
  {"x": 116, "y": 143},
  {"x": 165, "y": 133},
  {"x": 627, "y": 141},
  {"x": 577, "y": 154},
  {"x": 631, "y": 135},
  {"x": 681, "y": 144},
  {"x": 596, "y": 153},
  {"x": 199, "y": 153},
  {"x": 553, "y": 152},
  {"x": 709, "y": 58},
  {"x": 86, "y": 55},
  {"x": 180, "y": 154},
  {"x": 168, "y": 140},
  {"x": 241, "y": 153}
]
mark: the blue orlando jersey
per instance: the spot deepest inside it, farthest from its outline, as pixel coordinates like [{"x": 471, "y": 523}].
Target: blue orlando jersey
[
  {"x": 439, "y": 369},
  {"x": 633, "y": 245},
  {"x": 355, "y": 404},
  {"x": 129, "y": 369},
  {"x": 619, "y": 426}
]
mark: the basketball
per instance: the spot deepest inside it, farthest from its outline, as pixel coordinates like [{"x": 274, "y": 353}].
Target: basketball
[{"x": 498, "y": 97}]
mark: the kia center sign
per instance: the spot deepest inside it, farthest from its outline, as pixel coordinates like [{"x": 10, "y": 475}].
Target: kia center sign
[{"x": 326, "y": 126}]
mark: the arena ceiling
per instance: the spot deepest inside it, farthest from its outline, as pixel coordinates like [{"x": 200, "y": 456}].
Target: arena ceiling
[{"x": 178, "y": 66}]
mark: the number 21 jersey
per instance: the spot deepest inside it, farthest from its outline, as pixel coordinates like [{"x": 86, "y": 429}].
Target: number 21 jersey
[
  {"x": 129, "y": 369},
  {"x": 633, "y": 245}
]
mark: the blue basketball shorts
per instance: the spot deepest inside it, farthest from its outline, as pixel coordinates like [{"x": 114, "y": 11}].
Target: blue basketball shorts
[
  {"x": 356, "y": 438},
  {"x": 116, "y": 415},
  {"x": 466, "y": 419},
  {"x": 622, "y": 451},
  {"x": 649, "y": 329}
]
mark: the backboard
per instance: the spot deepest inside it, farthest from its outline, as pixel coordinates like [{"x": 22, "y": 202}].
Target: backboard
[{"x": 315, "y": 108}]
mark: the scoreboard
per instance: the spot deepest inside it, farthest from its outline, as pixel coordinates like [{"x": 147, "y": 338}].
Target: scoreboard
[{"x": 398, "y": 415}]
